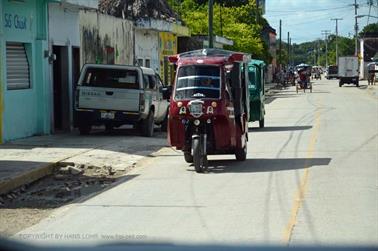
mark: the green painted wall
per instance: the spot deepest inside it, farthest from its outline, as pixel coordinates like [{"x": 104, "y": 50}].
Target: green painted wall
[
  {"x": 26, "y": 111},
  {"x": 1, "y": 73}
]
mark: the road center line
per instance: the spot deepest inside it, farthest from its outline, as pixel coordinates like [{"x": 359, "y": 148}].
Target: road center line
[{"x": 299, "y": 197}]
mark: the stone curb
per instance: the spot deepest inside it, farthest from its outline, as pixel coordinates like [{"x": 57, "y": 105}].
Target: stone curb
[{"x": 26, "y": 178}]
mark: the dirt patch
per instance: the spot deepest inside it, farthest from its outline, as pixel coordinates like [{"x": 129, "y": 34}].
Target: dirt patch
[{"x": 29, "y": 204}]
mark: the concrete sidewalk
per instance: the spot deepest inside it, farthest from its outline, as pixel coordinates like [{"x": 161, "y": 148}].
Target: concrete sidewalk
[{"x": 26, "y": 160}]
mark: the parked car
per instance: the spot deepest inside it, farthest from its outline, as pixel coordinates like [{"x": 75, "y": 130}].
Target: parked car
[
  {"x": 114, "y": 95},
  {"x": 331, "y": 72}
]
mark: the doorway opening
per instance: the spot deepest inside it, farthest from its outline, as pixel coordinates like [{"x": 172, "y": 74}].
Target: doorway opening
[{"x": 60, "y": 89}]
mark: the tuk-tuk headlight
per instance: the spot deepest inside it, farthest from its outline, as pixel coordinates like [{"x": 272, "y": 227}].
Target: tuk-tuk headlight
[
  {"x": 214, "y": 104},
  {"x": 179, "y": 104},
  {"x": 197, "y": 122}
]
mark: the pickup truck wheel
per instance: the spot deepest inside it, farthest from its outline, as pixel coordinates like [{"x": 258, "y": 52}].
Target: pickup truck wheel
[
  {"x": 84, "y": 129},
  {"x": 148, "y": 125}
]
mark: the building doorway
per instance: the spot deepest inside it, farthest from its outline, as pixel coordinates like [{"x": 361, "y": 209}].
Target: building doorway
[
  {"x": 61, "y": 89},
  {"x": 75, "y": 78}
]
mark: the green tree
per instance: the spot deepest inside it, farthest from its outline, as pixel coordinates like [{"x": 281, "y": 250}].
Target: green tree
[
  {"x": 371, "y": 28},
  {"x": 315, "y": 51},
  {"x": 242, "y": 22}
]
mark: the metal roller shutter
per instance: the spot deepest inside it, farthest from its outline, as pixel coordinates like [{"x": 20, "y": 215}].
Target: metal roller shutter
[{"x": 18, "y": 76}]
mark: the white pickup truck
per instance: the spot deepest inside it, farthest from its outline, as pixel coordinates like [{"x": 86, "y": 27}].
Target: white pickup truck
[
  {"x": 114, "y": 95},
  {"x": 348, "y": 70}
]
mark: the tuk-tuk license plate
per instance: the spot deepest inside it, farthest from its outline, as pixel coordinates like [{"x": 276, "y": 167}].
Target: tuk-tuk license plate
[
  {"x": 107, "y": 115},
  {"x": 195, "y": 108}
]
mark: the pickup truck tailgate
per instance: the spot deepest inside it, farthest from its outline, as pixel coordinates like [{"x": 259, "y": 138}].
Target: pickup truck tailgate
[{"x": 115, "y": 99}]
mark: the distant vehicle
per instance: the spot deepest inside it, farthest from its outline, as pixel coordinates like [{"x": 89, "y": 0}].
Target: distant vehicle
[
  {"x": 114, "y": 95},
  {"x": 331, "y": 72},
  {"x": 316, "y": 72},
  {"x": 256, "y": 88},
  {"x": 348, "y": 70}
]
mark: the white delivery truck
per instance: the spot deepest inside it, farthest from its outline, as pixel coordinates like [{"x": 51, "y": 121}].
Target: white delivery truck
[{"x": 348, "y": 70}]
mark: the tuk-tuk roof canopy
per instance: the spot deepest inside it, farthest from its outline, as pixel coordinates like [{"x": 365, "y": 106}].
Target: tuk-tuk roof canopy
[
  {"x": 210, "y": 56},
  {"x": 256, "y": 62}
]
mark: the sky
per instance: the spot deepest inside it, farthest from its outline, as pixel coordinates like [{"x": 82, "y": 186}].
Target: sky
[{"x": 306, "y": 20}]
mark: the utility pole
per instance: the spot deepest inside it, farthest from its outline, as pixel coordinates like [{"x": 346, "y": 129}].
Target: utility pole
[
  {"x": 355, "y": 27},
  {"x": 221, "y": 20},
  {"x": 280, "y": 45},
  {"x": 288, "y": 48},
  {"x": 337, "y": 34},
  {"x": 290, "y": 52},
  {"x": 211, "y": 5},
  {"x": 326, "y": 33}
]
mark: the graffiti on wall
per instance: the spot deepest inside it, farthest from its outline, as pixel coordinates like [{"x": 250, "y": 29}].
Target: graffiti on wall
[
  {"x": 97, "y": 49},
  {"x": 105, "y": 39}
]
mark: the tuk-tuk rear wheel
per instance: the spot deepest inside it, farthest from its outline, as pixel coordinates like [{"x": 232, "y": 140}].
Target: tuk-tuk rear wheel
[
  {"x": 261, "y": 123},
  {"x": 241, "y": 154}
]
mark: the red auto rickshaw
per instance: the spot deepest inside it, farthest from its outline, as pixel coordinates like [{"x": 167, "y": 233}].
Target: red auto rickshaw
[{"x": 209, "y": 105}]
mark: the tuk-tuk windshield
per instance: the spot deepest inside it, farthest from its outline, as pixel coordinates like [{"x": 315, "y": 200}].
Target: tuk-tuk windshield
[{"x": 198, "y": 81}]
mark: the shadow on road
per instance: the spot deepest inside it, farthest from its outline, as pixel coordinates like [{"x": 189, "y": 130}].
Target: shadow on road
[
  {"x": 279, "y": 128},
  {"x": 265, "y": 165}
]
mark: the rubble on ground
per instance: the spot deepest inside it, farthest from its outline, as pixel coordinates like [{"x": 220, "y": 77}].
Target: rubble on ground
[{"x": 68, "y": 182}]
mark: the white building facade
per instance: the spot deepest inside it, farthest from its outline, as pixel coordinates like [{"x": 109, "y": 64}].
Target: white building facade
[{"x": 64, "y": 58}]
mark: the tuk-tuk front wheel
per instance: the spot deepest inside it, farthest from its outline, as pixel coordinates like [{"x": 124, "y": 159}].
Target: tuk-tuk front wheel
[
  {"x": 199, "y": 159},
  {"x": 188, "y": 157}
]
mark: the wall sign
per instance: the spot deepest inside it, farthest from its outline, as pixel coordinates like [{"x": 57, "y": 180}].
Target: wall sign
[{"x": 15, "y": 21}]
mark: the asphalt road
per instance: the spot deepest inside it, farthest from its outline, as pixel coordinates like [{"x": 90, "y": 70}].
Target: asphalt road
[{"x": 311, "y": 177}]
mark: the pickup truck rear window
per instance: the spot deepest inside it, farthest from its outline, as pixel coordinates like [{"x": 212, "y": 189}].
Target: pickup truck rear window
[{"x": 111, "y": 78}]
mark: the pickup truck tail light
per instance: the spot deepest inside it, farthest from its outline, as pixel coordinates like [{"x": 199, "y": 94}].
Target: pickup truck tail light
[{"x": 141, "y": 102}]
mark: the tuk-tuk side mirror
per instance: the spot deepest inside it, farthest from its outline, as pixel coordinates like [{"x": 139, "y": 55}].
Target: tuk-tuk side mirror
[{"x": 167, "y": 92}]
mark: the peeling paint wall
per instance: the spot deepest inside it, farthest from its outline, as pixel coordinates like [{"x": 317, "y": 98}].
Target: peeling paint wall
[
  {"x": 147, "y": 47},
  {"x": 63, "y": 25},
  {"x": 105, "y": 39}
]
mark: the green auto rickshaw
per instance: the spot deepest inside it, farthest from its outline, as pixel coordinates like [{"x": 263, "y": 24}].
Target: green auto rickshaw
[{"x": 256, "y": 73}]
